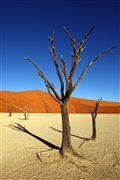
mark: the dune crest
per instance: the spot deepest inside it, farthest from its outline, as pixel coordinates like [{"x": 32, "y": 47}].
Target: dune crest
[{"x": 41, "y": 102}]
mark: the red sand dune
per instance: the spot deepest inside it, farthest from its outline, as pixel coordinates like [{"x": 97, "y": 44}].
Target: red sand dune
[{"x": 41, "y": 102}]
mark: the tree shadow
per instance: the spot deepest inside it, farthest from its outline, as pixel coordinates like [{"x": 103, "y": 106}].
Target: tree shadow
[
  {"x": 71, "y": 134},
  {"x": 20, "y": 128}
]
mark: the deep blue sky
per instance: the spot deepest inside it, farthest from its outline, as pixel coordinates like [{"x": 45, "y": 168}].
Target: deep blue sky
[{"x": 25, "y": 26}]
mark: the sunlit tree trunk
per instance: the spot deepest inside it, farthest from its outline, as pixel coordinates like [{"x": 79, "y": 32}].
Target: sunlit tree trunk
[
  {"x": 94, "y": 116},
  {"x": 66, "y": 137},
  {"x": 93, "y": 127}
]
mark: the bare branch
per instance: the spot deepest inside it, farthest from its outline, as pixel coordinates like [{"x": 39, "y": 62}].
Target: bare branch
[
  {"x": 94, "y": 116},
  {"x": 34, "y": 64},
  {"x": 74, "y": 65},
  {"x": 89, "y": 64},
  {"x": 72, "y": 40},
  {"x": 53, "y": 54},
  {"x": 75, "y": 56},
  {"x": 64, "y": 69},
  {"x": 95, "y": 110},
  {"x": 48, "y": 88},
  {"x": 77, "y": 52},
  {"x": 47, "y": 83},
  {"x": 27, "y": 111},
  {"x": 50, "y": 51},
  {"x": 80, "y": 48},
  {"x": 51, "y": 87}
]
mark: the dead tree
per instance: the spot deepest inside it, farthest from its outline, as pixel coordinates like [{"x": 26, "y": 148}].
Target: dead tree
[
  {"x": 10, "y": 110},
  {"x": 94, "y": 116},
  {"x": 67, "y": 85},
  {"x": 26, "y": 111}
]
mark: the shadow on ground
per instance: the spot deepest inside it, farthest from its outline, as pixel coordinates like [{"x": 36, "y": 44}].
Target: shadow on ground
[
  {"x": 71, "y": 134},
  {"x": 19, "y": 127}
]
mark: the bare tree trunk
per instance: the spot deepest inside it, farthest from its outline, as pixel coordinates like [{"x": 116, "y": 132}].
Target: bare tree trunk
[
  {"x": 93, "y": 126},
  {"x": 28, "y": 115},
  {"x": 26, "y": 111},
  {"x": 25, "y": 115},
  {"x": 10, "y": 110},
  {"x": 94, "y": 116},
  {"x": 10, "y": 114},
  {"x": 66, "y": 137}
]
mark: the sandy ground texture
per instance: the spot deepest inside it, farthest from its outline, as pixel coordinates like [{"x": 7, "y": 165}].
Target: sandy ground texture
[{"x": 34, "y": 154}]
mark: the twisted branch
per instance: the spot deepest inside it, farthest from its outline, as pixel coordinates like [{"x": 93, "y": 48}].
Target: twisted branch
[
  {"x": 89, "y": 64},
  {"x": 95, "y": 110},
  {"x": 80, "y": 48},
  {"x": 75, "y": 56},
  {"x": 64, "y": 69},
  {"x": 53, "y": 54},
  {"x": 72, "y": 40},
  {"x": 47, "y": 83}
]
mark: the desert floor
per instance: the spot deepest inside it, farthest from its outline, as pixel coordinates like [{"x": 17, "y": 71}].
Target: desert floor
[{"x": 25, "y": 156}]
